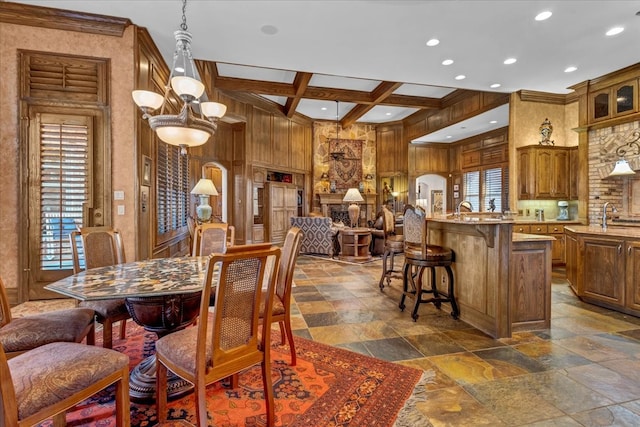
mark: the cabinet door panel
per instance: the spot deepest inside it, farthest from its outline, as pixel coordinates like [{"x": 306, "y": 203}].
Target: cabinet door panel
[
  {"x": 544, "y": 170},
  {"x": 633, "y": 275},
  {"x": 602, "y": 271}
]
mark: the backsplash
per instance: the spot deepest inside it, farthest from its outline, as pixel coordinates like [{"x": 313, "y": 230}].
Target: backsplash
[{"x": 527, "y": 209}]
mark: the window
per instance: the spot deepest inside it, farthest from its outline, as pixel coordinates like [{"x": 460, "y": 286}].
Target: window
[
  {"x": 64, "y": 185},
  {"x": 172, "y": 191},
  {"x": 482, "y": 186}
]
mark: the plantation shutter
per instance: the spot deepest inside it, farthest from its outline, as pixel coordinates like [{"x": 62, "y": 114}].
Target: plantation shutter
[
  {"x": 492, "y": 187},
  {"x": 172, "y": 189},
  {"x": 64, "y": 185},
  {"x": 471, "y": 184}
]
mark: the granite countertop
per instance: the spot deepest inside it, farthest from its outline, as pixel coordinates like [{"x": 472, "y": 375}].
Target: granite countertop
[
  {"x": 554, "y": 221},
  {"x": 469, "y": 219},
  {"x": 612, "y": 230}
]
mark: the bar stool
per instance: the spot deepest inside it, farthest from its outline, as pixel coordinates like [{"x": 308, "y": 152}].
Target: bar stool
[
  {"x": 419, "y": 255},
  {"x": 393, "y": 244}
]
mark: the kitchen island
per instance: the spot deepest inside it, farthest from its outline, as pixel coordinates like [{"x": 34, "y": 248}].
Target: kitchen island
[
  {"x": 502, "y": 278},
  {"x": 603, "y": 266}
]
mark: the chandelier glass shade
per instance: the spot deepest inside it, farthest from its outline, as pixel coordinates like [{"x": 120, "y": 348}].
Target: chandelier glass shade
[{"x": 198, "y": 118}]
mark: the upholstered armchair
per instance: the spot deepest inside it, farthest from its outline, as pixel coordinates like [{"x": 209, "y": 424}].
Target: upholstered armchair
[{"x": 319, "y": 235}]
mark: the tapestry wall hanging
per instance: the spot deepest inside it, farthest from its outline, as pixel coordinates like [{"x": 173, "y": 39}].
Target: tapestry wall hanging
[{"x": 345, "y": 156}]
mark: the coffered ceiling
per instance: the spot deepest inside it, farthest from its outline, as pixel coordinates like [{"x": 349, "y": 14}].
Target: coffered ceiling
[{"x": 372, "y": 55}]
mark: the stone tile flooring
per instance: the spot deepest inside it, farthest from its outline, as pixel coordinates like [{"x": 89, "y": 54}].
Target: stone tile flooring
[{"x": 584, "y": 371}]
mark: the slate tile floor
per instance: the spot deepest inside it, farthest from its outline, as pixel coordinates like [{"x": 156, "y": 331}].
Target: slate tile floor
[{"x": 584, "y": 371}]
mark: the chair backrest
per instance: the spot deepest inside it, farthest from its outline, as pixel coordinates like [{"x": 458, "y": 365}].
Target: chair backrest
[
  {"x": 5, "y": 308},
  {"x": 101, "y": 246},
  {"x": 8, "y": 403},
  {"x": 415, "y": 228},
  {"x": 235, "y": 318},
  {"x": 290, "y": 252},
  {"x": 388, "y": 222},
  {"x": 210, "y": 238}
]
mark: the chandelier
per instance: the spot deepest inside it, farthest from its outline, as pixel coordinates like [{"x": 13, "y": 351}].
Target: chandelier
[{"x": 197, "y": 120}]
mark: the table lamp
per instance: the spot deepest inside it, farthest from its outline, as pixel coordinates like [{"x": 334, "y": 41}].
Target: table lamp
[
  {"x": 353, "y": 196},
  {"x": 204, "y": 188}
]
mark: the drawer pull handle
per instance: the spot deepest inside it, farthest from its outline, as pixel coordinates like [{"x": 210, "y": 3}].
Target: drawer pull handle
[
  {"x": 629, "y": 251},
  {"x": 619, "y": 249}
]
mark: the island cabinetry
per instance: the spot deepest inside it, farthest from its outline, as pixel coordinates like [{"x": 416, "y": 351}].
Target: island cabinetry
[{"x": 603, "y": 267}]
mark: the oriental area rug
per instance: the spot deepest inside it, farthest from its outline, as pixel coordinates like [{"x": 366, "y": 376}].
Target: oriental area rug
[{"x": 328, "y": 387}]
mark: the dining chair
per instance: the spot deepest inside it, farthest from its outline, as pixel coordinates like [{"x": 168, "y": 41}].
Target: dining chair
[
  {"x": 20, "y": 334},
  {"x": 46, "y": 381},
  {"x": 101, "y": 247},
  {"x": 418, "y": 256},
  {"x": 393, "y": 245},
  {"x": 227, "y": 339},
  {"x": 281, "y": 311},
  {"x": 212, "y": 237}
]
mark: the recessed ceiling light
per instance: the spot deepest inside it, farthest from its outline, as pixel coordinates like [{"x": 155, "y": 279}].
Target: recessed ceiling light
[
  {"x": 447, "y": 62},
  {"x": 433, "y": 42},
  {"x": 543, "y": 15},
  {"x": 460, "y": 77},
  {"x": 493, "y": 122},
  {"x": 614, "y": 31},
  {"x": 324, "y": 108},
  {"x": 387, "y": 114},
  {"x": 510, "y": 61},
  {"x": 570, "y": 69},
  {"x": 448, "y": 137},
  {"x": 269, "y": 30},
  {"x": 495, "y": 85}
]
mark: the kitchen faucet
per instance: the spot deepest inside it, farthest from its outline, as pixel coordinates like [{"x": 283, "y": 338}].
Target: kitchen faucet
[
  {"x": 604, "y": 213},
  {"x": 467, "y": 204}
]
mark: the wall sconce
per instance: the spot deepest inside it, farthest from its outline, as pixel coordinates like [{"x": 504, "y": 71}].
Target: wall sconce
[{"x": 622, "y": 167}]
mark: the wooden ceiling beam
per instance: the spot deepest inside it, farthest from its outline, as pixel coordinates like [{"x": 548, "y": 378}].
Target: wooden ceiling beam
[
  {"x": 300, "y": 84},
  {"x": 380, "y": 93}
]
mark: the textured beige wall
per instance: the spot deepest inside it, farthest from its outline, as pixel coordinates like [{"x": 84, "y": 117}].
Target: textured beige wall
[{"x": 120, "y": 52}]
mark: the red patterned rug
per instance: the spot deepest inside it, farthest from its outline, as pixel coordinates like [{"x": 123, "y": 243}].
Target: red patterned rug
[{"x": 328, "y": 387}]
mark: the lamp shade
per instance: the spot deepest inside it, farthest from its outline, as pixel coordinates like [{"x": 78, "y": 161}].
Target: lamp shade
[
  {"x": 213, "y": 109},
  {"x": 147, "y": 99},
  {"x": 187, "y": 86},
  {"x": 622, "y": 168},
  {"x": 353, "y": 195},
  {"x": 205, "y": 187}
]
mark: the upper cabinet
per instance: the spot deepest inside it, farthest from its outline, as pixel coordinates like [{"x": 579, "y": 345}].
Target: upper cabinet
[
  {"x": 545, "y": 172},
  {"x": 614, "y": 101}
]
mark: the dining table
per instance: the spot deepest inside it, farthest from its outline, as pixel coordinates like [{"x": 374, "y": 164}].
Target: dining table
[{"x": 162, "y": 295}]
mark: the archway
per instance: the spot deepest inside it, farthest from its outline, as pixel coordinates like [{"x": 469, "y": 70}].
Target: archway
[{"x": 431, "y": 193}]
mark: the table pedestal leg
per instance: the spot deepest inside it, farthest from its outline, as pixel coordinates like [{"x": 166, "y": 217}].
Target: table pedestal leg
[{"x": 142, "y": 382}]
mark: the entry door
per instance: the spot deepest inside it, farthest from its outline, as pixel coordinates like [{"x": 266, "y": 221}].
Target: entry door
[{"x": 59, "y": 193}]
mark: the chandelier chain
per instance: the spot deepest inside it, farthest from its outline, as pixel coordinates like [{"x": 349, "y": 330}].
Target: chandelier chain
[{"x": 183, "y": 26}]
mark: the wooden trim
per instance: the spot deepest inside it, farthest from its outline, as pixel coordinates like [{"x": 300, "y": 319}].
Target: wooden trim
[
  {"x": 546, "y": 97},
  {"x": 60, "y": 19}
]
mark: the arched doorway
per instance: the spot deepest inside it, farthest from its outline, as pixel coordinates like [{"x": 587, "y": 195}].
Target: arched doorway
[
  {"x": 219, "y": 175},
  {"x": 431, "y": 193}
]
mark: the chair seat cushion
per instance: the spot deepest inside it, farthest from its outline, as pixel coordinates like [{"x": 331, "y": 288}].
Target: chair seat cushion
[
  {"x": 108, "y": 308},
  {"x": 49, "y": 374},
  {"x": 278, "y": 305},
  {"x": 434, "y": 253},
  {"x": 26, "y": 333}
]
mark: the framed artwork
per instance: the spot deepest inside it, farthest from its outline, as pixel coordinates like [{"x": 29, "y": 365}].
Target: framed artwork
[
  {"x": 456, "y": 195},
  {"x": 437, "y": 203},
  {"x": 146, "y": 171},
  {"x": 456, "y": 187}
]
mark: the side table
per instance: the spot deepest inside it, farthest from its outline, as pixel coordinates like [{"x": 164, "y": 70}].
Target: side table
[{"x": 354, "y": 244}]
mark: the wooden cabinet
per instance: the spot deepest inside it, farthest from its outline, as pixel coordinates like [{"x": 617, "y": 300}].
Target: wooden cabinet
[
  {"x": 605, "y": 270},
  {"x": 555, "y": 230},
  {"x": 544, "y": 172},
  {"x": 614, "y": 101},
  {"x": 281, "y": 204}
]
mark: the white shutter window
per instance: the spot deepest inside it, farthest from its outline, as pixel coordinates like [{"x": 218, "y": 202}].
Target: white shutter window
[
  {"x": 64, "y": 187},
  {"x": 492, "y": 189},
  {"x": 471, "y": 184},
  {"x": 172, "y": 188}
]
